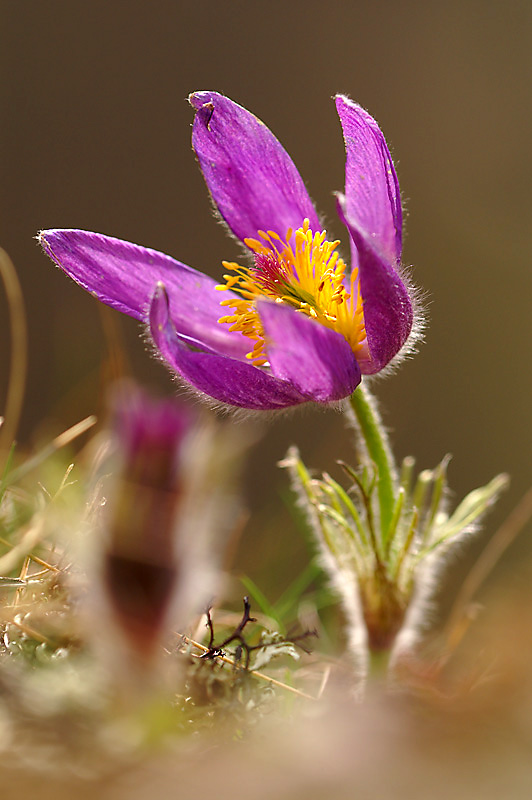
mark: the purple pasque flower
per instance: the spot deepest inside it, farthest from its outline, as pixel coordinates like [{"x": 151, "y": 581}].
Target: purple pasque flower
[{"x": 301, "y": 326}]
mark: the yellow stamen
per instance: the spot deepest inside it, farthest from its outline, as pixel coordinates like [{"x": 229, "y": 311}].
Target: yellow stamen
[{"x": 311, "y": 278}]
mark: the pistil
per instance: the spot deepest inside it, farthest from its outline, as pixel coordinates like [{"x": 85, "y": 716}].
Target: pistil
[{"x": 311, "y": 278}]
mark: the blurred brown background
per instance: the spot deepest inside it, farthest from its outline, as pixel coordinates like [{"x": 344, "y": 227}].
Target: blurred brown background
[{"x": 95, "y": 134}]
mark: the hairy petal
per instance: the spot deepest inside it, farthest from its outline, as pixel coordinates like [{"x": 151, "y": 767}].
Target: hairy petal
[
  {"x": 123, "y": 275},
  {"x": 316, "y": 360},
  {"x": 236, "y": 383},
  {"x": 249, "y": 174},
  {"x": 388, "y": 311},
  {"x": 372, "y": 199}
]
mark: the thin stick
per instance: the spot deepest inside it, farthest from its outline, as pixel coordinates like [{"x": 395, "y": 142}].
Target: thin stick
[
  {"x": 254, "y": 672},
  {"x": 19, "y": 352}
]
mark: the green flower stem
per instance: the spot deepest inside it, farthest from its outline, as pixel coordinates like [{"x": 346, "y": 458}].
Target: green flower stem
[{"x": 378, "y": 448}]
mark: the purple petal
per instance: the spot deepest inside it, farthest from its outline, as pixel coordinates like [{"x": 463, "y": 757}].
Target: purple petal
[
  {"x": 372, "y": 200},
  {"x": 124, "y": 275},
  {"x": 236, "y": 383},
  {"x": 316, "y": 360},
  {"x": 388, "y": 312},
  {"x": 250, "y": 176}
]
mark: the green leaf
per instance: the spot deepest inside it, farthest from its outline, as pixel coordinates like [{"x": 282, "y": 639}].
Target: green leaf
[
  {"x": 286, "y": 605},
  {"x": 472, "y": 507}
]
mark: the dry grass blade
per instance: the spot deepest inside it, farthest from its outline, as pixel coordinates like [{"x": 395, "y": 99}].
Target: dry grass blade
[
  {"x": 47, "y": 567},
  {"x": 60, "y": 441},
  {"x": 500, "y": 541},
  {"x": 19, "y": 352},
  {"x": 29, "y": 539}
]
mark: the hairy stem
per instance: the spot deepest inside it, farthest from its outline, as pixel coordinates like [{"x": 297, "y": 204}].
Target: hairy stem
[{"x": 378, "y": 448}]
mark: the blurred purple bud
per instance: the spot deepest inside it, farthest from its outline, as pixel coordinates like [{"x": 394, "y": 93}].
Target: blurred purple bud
[
  {"x": 141, "y": 562},
  {"x": 169, "y": 506}
]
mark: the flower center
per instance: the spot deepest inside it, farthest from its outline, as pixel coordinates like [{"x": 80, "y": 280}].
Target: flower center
[{"x": 311, "y": 278}]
